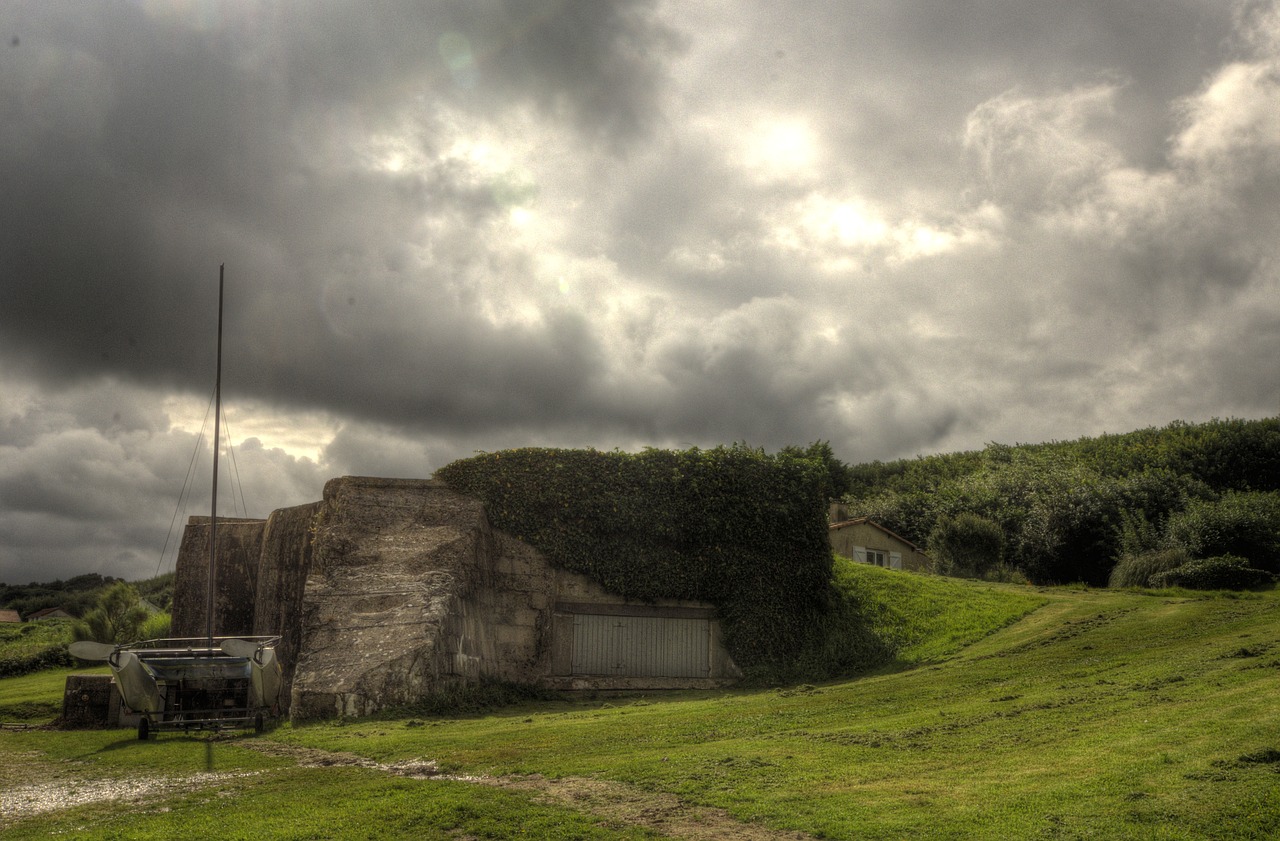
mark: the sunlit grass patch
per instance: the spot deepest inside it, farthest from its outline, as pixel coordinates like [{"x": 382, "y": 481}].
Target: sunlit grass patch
[{"x": 927, "y": 617}]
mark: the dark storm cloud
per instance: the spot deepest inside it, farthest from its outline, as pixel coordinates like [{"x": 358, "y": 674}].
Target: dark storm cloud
[
  {"x": 459, "y": 226},
  {"x": 140, "y": 152}
]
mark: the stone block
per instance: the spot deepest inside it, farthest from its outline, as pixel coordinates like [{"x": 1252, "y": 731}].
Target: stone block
[{"x": 87, "y": 701}]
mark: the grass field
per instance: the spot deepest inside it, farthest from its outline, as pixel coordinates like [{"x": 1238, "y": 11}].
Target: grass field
[{"x": 1100, "y": 714}]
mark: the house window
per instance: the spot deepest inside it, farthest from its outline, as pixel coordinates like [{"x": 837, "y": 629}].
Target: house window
[{"x": 875, "y": 556}]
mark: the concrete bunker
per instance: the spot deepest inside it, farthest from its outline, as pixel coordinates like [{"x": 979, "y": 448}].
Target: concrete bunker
[{"x": 390, "y": 589}]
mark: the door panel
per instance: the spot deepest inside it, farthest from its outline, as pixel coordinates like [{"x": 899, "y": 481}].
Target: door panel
[{"x": 641, "y": 646}]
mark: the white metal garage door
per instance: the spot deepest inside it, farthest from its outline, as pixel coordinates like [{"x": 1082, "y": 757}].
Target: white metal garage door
[{"x": 641, "y": 646}]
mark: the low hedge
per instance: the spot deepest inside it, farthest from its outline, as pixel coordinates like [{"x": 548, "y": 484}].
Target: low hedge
[
  {"x": 32, "y": 646},
  {"x": 25, "y": 664},
  {"x": 1137, "y": 570},
  {"x": 733, "y": 526},
  {"x": 1225, "y": 572}
]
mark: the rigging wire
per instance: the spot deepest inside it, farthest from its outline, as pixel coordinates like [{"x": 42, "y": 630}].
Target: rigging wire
[
  {"x": 233, "y": 472},
  {"x": 188, "y": 483}
]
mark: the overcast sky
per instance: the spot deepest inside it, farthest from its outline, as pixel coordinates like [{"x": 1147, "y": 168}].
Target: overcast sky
[{"x": 901, "y": 226}]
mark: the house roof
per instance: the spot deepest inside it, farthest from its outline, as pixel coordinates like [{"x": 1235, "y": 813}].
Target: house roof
[
  {"x": 48, "y": 611},
  {"x": 867, "y": 521},
  {"x": 9, "y": 616}
]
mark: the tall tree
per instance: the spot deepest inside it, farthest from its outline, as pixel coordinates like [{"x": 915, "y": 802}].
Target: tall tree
[{"x": 118, "y": 616}]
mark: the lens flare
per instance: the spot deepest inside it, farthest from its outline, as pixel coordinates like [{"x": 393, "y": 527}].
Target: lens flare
[{"x": 455, "y": 49}]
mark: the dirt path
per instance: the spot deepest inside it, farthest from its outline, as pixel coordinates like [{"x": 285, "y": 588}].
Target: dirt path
[{"x": 616, "y": 803}]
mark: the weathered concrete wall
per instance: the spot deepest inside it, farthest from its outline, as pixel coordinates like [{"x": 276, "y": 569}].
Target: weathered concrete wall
[
  {"x": 239, "y": 554},
  {"x": 392, "y": 562},
  {"x": 282, "y": 578},
  {"x": 499, "y": 629}
]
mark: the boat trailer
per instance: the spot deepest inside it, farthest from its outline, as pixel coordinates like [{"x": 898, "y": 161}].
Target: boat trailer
[{"x": 204, "y": 683}]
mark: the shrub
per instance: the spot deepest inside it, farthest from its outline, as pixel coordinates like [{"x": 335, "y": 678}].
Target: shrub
[
  {"x": 117, "y": 618},
  {"x": 1003, "y": 573},
  {"x": 33, "y": 646},
  {"x": 966, "y": 544},
  {"x": 1225, "y": 572},
  {"x": 46, "y": 658},
  {"x": 1244, "y": 524},
  {"x": 156, "y": 626},
  {"x": 1137, "y": 569}
]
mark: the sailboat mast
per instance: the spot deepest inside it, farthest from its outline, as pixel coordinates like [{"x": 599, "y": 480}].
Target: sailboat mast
[{"x": 217, "y": 440}]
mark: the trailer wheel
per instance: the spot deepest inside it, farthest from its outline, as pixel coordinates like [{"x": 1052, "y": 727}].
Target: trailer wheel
[
  {"x": 144, "y": 729},
  {"x": 257, "y": 723}
]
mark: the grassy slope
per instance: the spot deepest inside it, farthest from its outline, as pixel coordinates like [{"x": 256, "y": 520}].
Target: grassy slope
[
  {"x": 1102, "y": 714},
  {"x": 926, "y": 618},
  {"x": 1116, "y": 715}
]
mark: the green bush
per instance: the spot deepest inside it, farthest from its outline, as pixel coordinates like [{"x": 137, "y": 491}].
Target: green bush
[
  {"x": 966, "y": 545},
  {"x": 46, "y": 658},
  {"x": 118, "y": 617},
  {"x": 1004, "y": 573},
  {"x": 1240, "y": 523},
  {"x": 732, "y": 526},
  {"x": 33, "y": 646},
  {"x": 156, "y": 626},
  {"x": 1068, "y": 509},
  {"x": 1225, "y": 572},
  {"x": 1137, "y": 569}
]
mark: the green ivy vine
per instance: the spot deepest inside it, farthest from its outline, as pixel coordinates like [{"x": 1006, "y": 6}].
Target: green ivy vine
[{"x": 733, "y": 526}]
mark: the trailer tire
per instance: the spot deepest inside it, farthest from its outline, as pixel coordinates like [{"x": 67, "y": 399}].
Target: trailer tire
[{"x": 144, "y": 729}]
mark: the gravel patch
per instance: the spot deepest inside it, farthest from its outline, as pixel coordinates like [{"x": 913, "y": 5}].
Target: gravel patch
[{"x": 38, "y": 798}]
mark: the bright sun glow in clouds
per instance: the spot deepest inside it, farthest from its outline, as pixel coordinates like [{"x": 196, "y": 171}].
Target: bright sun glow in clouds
[{"x": 780, "y": 148}]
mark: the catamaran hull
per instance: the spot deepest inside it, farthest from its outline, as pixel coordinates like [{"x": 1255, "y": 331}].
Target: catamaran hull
[{"x": 137, "y": 685}]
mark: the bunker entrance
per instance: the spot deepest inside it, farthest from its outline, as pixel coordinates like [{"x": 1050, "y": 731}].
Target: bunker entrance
[{"x": 641, "y": 646}]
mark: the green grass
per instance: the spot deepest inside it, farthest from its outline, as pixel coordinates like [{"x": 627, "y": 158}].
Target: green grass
[
  {"x": 925, "y": 617},
  {"x": 37, "y": 698},
  {"x": 1108, "y": 715},
  {"x": 248, "y": 795},
  {"x": 325, "y": 803},
  {"x": 1102, "y": 714}
]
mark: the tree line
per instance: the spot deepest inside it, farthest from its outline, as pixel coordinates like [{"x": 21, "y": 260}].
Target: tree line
[
  {"x": 80, "y": 594},
  {"x": 1121, "y": 509}
]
